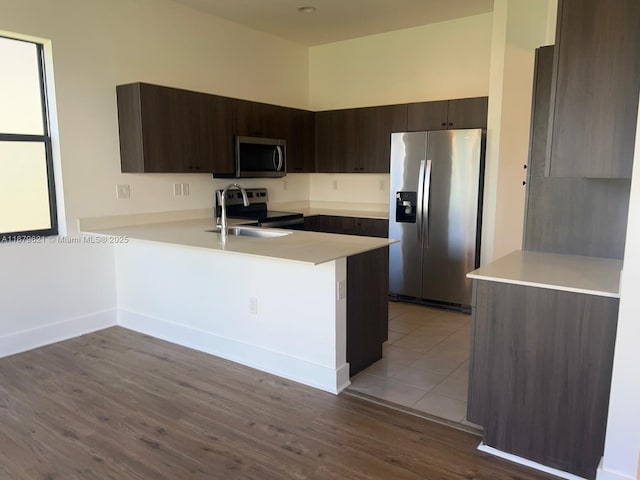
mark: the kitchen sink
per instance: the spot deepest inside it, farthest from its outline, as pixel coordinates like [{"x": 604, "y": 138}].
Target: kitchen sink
[{"x": 254, "y": 232}]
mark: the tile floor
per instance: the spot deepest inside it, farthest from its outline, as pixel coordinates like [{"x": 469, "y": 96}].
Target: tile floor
[{"x": 425, "y": 364}]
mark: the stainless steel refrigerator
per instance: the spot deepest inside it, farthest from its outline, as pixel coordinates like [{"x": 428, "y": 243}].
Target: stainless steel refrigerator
[{"x": 435, "y": 211}]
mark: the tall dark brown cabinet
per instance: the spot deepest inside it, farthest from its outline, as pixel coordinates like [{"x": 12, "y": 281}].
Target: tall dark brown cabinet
[
  {"x": 579, "y": 216},
  {"x": 594, "y": 100}
]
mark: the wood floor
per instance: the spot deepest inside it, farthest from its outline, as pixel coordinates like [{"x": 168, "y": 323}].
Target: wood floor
[{"x": 119, "y": 405}]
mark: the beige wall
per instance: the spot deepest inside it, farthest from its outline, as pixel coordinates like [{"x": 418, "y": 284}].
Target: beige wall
[
  {"x": 519, "y": 27},
  {"x": 52, "y": 291},
  {"x": 433, "y": 62},
  {"x": 97, "y": 45}
]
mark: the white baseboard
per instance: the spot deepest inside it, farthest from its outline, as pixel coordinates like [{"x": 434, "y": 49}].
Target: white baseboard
[
  {"x": 527, "y": 463},
  {"x": 56, "y": 332},
  {"x": 604, "y": 474},
  {"x": 293, "y": 368}
]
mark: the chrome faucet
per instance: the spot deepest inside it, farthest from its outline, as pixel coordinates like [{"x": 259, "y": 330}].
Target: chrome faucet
[{"x": 222, "y": 200}]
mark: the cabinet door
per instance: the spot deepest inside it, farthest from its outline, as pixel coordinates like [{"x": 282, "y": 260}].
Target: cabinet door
[
  {"x": 468, "y": 113},
  {"x": 300, "y": 141},
  {"x": 540, "y": 373},
  {"x": 375, "y": 126},
  {"x": 213, "y": 131},
  {"x": 372, "y": 227},
  {"x": 337, "y": 141},
  {"x": 256, "y": 119},
  {"x": 167, "y": 130},
  {"x": 577, "y": 216},
  {"x": 427, "y": 116},
  {"x": 596, "y": 85}
]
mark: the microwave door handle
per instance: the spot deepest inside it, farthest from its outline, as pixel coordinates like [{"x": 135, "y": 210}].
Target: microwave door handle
[
  {"x": 273, "y": 160},
  {"x": 280, "y": 160}
]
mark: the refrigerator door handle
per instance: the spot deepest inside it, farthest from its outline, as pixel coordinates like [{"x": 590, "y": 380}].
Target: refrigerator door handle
[
  {"x": 419, "y": 207},
  {"x": 427, "y": 187}
]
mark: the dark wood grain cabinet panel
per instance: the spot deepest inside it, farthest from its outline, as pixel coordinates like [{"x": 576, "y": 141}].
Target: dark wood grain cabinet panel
[
  {"x": 357, "y": 139},
  {"x": 375, "y": 126},
  {"x": 578, "y": 216},
  {"x": 300, "y": 137},
  {"x": 337, "y": 141},
  {"x": 448, "y": 114},
  {"x": 367, "y": 227},
  {"x": 595, "y": 89},
  {"x": 367, "y": 307},
  {"x": 427, "y": 116},
  {"x": 540, "y": 373},
  {"x": 255, "y": 119},
  {"x": 168, "y": 130},
  {"x": 468, "y": 113}
]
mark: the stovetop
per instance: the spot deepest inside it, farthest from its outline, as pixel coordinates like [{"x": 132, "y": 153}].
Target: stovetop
[{"x": 257, "y": 209}]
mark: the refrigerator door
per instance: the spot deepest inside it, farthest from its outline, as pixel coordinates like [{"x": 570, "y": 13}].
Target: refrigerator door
[
  {"x": 408, "y": 166},
  {"x": 450, "y": 220}
]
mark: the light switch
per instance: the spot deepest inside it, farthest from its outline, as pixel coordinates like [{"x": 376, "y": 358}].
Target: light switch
[{"x": 177, "y": 189}]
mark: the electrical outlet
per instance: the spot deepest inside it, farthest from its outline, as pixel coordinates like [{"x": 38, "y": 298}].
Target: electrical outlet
[
  {"x": 123, "y": 191},
  {"x": 253, "y": 305},
  {"x": 335, "y": 184},
  {"x": 381, "y": 185},
  {"x": 177, "y": 189},
  {"x": 342, "y": 289},
  {"x": 185, "y": 189},
  {"x": 284, "y": 185}
]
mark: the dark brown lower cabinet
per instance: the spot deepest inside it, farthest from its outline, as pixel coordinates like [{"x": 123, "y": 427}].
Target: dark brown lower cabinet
[
  {"x": 367, "y": 307},
  {"x": 366, "y": 227},
  {"x": 540, "y": 373}
]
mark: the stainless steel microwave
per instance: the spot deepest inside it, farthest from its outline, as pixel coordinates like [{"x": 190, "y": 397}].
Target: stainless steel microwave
[{"x": 260, "y": 157}]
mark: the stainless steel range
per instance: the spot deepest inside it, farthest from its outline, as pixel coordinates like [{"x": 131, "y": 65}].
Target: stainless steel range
[{"x": 257, "y": 209}]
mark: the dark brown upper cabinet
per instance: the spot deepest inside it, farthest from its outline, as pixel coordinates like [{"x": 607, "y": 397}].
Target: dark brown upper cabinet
[
  {"x": 300, "y": 136},
  {"x": 446, "y": 114},
  {"x": 167, "y": 130},
  {"x": 255, "y": 119},
  {"x": 357, "y": 139},
  {"x": 375, "y": 126},
  {"x": 596, "y": 81},
  {"x": 337, "y": 141}
]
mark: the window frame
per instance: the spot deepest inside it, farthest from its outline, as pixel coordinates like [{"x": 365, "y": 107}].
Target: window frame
[{"x": 45, "y": 139}]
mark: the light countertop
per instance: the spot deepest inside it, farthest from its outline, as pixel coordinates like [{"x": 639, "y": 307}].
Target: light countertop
[
  {"x": 571, "y": 273},
  {"x": 299, "y": 246}
]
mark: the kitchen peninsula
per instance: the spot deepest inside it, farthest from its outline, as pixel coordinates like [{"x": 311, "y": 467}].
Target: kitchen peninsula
[{"x": 296, "y": 305}]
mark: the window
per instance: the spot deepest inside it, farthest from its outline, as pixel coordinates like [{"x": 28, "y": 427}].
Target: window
[{"x": 27, "y": 190}]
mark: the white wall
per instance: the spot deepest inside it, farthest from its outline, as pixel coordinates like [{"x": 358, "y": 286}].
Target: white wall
[
  {"x": 200, "y": 299},
  {"x": 432, "y": 62},
  {"x": 97, "y": 45},
  {"x": 519, "y": 27},
  {"x": 622, "y": 445}
]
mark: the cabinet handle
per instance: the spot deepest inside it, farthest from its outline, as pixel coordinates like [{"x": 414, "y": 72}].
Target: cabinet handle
[
  {"x": 524, "y": 182},
  {"x": 444, "y": 124},
  {"x": 525, "y": 166},
  {"x": 193, "y": 167},
  {"x": 451, "y": 124}
]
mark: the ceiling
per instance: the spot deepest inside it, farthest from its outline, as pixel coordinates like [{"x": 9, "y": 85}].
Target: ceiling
[{"x": 336, "y": 20}]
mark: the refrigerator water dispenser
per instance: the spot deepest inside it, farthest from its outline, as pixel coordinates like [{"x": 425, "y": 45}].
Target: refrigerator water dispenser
[{"x": 406, "y": 203}]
